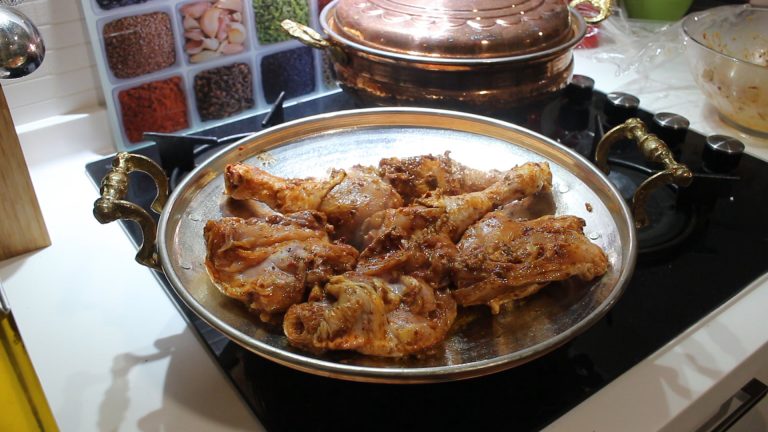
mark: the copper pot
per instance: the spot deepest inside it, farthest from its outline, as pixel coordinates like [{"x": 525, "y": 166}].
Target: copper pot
[{"x": 480, "y": 55}]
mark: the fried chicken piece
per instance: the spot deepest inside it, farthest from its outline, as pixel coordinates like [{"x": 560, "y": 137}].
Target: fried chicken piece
[
  {"x": 370, "y": 316},
  {"x": 269, "y": 262},
  {"x": 502, "y": 259},
  {"x": 465, "y": 209},
  {"x": 408, "y": 241},
  {"x": 243, "y": 182},
  {"x": 420, "y": 240},
  {"x": 347, "y": 198},
  {"x": 415, "y": 177},
  {"x": 361, "y": 194}
]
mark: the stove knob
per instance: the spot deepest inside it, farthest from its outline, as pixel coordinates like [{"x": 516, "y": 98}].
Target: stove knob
[
  {"x": 579, "y": 90},
  {"x": 619, "y": 107},
  {"x": 671, "y": 128},
  {"x": 722, "y": 153}
]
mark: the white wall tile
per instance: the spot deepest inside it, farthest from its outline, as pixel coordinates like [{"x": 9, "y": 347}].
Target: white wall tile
[{"x": 67, "y": 80}]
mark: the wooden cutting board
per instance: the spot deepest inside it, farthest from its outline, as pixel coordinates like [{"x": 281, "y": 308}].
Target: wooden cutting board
[{"x": 22, "y": 228}]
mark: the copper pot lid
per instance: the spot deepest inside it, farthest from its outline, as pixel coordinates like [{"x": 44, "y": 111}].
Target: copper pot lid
[{"x": 454, "y": 29}]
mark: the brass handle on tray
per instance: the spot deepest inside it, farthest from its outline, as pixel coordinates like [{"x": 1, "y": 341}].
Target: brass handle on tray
[
  {"x": 603, "y": 7},
  {"x": 311, "y": 38},
  {"x": 112, "y": 205},
  {"x": 652, "y": 148}
]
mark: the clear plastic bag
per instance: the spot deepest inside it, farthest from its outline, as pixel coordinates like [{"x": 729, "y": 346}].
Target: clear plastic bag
[{"x": 637, "y": 45}]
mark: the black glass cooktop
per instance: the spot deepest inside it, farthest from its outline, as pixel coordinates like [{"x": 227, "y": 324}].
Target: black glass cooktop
[{"x": 707, "y": 244}]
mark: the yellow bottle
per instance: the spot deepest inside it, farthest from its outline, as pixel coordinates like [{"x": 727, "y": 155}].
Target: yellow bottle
[{"x": 22, "y": 402}]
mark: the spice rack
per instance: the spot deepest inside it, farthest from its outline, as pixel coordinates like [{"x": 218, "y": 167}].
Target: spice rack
[{"x": 165, "y": 66}]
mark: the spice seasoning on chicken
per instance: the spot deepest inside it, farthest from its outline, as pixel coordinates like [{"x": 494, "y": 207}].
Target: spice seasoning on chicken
[
  {"x": 139, "y": 44},
  {"x": 157, "y": 106},
  {"x": 224, "y": 91}
]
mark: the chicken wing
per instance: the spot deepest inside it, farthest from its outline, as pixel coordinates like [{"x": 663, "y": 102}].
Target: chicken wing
[
  {"x": 370, "y": 316},
  {"x": 502, "y": 259},
  {"x": 269, "y": 262},
  {"x": 347, "y": 198},
  {"x": 414, "y": 177}
]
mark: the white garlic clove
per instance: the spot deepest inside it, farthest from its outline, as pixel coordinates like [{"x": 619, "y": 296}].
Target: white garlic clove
[
  {"x": 193, "y": 47},
  {"x": 210, "y": 44},
  {"x": 203, "y": 56},
  {"x": 232, "y": 48},
  {"x": 194, "y": 34},
  {"x": 234, "y": 5},
  {"x": 209, "y": 22},
  {"x": 195, "y": 10},
  {"x": 236, "y": 33},
  {"x": 190, "y": 23},
  {"x": 224, "y": 20}
]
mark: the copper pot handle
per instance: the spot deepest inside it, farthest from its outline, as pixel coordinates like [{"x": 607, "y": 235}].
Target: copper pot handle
[
  {"x": 112, "y": 205},
  {"x": 603, "y": 6},
  {"x": 311, "y": 38},
  {"x": 655, "y": 150}
]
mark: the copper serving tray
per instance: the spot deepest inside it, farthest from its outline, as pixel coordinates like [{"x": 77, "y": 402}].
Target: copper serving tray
[{"x": 479, "y": 343}]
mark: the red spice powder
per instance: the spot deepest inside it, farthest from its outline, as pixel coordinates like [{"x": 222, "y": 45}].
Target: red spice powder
[{"x": 157, "y": 106}]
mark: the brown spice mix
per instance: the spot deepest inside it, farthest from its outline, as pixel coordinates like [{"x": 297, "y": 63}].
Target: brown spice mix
[
  {"x": 139, "y": 44},
  {"x": 224, "y": 91}
]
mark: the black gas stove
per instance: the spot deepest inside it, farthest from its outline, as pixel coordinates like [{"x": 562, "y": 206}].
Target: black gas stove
[{"x": 705, "y": 243}]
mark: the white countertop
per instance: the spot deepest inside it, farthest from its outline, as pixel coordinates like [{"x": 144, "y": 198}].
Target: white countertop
[{"x": 113, "y": 353}]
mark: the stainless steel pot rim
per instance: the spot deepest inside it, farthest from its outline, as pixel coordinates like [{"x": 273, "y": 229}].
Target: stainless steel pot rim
[
  {"x": 579, "y": 31},
  {"x": 393, "y": 374},
  {"x": 732, "y": 9}
]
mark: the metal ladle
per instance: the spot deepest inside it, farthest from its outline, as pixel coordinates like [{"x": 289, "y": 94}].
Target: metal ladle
[{"x": 21, "y": 46}]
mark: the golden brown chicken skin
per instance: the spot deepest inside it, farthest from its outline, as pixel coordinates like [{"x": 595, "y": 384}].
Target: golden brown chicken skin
[
  {"x": 243, "y": 182},
  {"x": 463, "y": 210},
  {"x": 361, "y": 194},
  {"x": 371, "y": 316},
  {"x": 503, "y": 259},
  {"x": 347, "y": 197},
  {"x": 415, "y": 177},
  {"x": 268, "y": 263},
  {"x": 419, "y": 240},
  {"x": 408, "y": 241}
]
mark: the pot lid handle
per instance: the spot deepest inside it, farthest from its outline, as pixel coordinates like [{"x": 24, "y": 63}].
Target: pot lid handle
[
  {"x": 311, "y": 38},
  {"x": 603, "y": 7}
]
